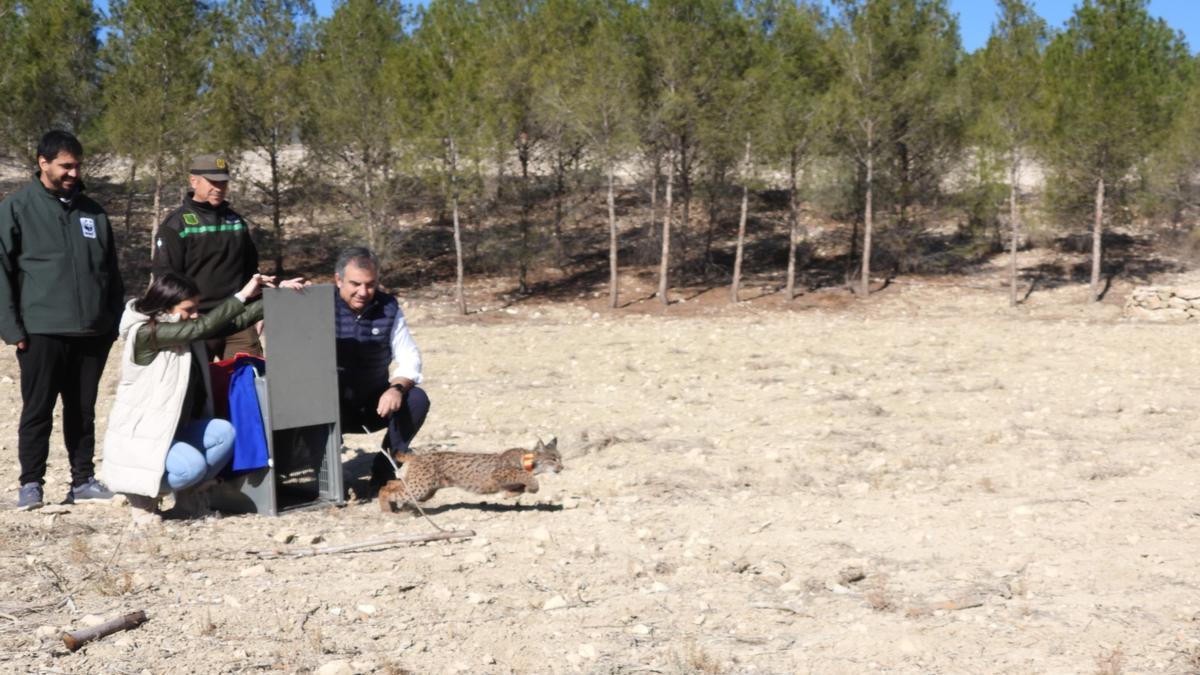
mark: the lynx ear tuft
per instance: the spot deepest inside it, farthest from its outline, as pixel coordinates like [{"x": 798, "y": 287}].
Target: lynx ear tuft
[
  {"x": 539, "y": 446},
  {"x": 553, "y": 444}
]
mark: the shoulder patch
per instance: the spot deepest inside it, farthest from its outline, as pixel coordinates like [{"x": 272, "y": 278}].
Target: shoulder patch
[{"x": 191, "y": 218}]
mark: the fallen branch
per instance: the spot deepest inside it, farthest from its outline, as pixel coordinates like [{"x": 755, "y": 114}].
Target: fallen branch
[
  {"x": 374, "y": 543},
  {"x": 78, "y": 638},
  {"x": 966, "y": 602}
]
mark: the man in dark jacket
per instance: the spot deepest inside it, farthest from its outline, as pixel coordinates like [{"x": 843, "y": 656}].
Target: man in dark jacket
[
  {"x": 210, "y": 243},
  {"x": 61, "y": 297}
]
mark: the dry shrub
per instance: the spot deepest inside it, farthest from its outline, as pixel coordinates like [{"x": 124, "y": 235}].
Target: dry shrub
[
  {"x": 692, "y": 659},
  {"x": 1111, "y": 661}
]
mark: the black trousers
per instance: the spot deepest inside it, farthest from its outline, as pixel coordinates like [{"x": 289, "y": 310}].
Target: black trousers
[
  {"x": 52, "y": 366},
  {"x": 360, "y": 397}
]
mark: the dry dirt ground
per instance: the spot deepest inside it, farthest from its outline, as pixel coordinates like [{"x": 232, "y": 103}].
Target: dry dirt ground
[{"x": 927, "y": 482}]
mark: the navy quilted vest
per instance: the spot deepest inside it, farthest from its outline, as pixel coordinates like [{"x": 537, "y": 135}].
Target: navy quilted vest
[{"x": 364, "y": 342}]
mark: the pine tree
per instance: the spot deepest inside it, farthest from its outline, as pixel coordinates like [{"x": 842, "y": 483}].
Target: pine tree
[
  {"x": 588, "y": 86},
  {"x": 50, "y": 75},
  {"x": 1006, "y": 85},
  {"x": 259, "y": 91},
  {"x": 450, "y": 113},
  {"x": 1116, "y": 75},
  {"x": 797, "y": 114},
  {"x": 155, "y": 59},
  {"x": 353, "y": 80},
  {"x": 897, "y": 61}
]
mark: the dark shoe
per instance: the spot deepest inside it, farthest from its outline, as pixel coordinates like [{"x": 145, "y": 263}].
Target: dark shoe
[
  {"x": 91, "y": 491},
  {"x": 30, "y": 497}
]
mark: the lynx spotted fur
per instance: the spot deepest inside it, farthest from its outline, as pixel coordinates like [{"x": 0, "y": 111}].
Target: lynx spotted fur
[{"x": 511, "y": 471}]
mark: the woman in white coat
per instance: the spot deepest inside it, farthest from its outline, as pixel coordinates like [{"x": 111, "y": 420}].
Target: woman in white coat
[{"x": 162, "y": 436}]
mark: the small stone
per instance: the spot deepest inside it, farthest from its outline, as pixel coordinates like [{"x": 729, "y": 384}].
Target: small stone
[
  {"x": 232, "y": 602},
  {"x": 44, "y": 632},
  {"x": 792, "y": 585},
  {"x": 335, "y": 668},
  {"x": 699, "y": 620},
  {"x": 644, "y": 533},
  {"x": 588, "y": 651},
  {"x": 557, "y": 602},
  {"x": 641, "y": 629},
  {"x": 851, "y": 575},
  {"x": 487, "y": 660},
  {"x": 569, "y": 503},
  {"x": 477, "y": 598},
  {"x": 659, "y": 587},
  {"x": 6, "y": 380},
  {"x": 253, "y": 571},
  {"x": 367, "y": 609},
  {"x": 310, "y": 539},
  {"x": 481, "y": 542},
  {"x": 284, "y": 537},
  {"x": 475, "y": 558}
]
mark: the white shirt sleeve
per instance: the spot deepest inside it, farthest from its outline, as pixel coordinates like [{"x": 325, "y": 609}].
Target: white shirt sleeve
[{"x": 406, "y": 358}]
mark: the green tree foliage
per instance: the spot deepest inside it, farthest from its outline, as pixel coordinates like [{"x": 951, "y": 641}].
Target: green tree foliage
[
  {"x": 352, "y": 121},
  {"x": 797, "y": 114},
  {"x": 1005, "y": 83},
  {"x": 260, "y": 94},
  {"x": 451, "y": 113},
  {"x": 1116, "y": 76},
  {"x": 155, "y": 59},
  {"x": 900, "y": 123},
  {"x": 686, "y": 73},
  {"x": 50, "y": 75},
  {"x": 588, "y": 90}
]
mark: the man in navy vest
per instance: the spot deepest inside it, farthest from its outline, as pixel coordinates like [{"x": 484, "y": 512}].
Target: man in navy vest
[{"x": 379, "y": 365}]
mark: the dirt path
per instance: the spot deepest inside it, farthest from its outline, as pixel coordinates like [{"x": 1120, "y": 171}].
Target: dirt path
[{"x": 1017, "y": 490}]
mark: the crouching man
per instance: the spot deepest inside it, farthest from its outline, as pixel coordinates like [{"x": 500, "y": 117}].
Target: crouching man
[{"x": 378, "y": 363}]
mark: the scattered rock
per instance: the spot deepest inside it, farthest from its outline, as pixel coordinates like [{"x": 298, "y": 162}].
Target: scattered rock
[
  {"x": 477, "y": 598},
  {"x": 641, "y": 629},
  {"x": 557, "y": 602},
  {"x": 253, "y": 571},
  {"x": 335, "y": 668},
  {"x": 588, "y": 651},
  {"x": 44, "y": 632},
  {"x": 851, "y": 575},
  {"x": 366, "y": 609},
  {"x": 284, "y": 537}
]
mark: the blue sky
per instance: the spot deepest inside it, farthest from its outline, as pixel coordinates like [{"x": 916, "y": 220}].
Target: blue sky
[{"x": 976, "y": 16}]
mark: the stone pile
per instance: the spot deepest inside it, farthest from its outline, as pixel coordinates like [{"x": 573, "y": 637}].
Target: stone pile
[{"x": 1164, "y": 303}]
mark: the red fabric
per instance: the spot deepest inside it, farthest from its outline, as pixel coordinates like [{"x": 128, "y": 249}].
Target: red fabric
[{"x": 220, "y": 372}]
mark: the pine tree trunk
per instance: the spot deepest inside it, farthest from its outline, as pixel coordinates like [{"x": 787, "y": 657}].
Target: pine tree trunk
[
  {"x": 130, "y": 190},
  {"x": 793, "y": 226},
  {"x": 459, "y": 294},
  {"x": 1015, "y": 230},
  {"x": 685, "y": 189},
  {"x": 868, "y": 218},
  {"x": 665, "y": 264},
  {"x": 526, "y": 207},
  {"x": 741, "y": 235},
  {"x": 276, "y": 206},
  {"x": 158, "y": 187},
  {"x": 1097, "y": 237},
  {"x": 612, "y": 240}
]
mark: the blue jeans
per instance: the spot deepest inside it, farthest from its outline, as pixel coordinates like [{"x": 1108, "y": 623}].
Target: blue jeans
[{"x": 200, "y": 450}]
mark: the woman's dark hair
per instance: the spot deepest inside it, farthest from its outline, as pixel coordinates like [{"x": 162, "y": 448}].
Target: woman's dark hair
[{"x": 163, "y": 295}]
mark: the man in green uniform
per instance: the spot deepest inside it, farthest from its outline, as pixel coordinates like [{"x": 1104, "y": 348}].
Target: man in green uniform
[
  {"x": 61, "y": 297},
  {"x": 210, "y": 243}
]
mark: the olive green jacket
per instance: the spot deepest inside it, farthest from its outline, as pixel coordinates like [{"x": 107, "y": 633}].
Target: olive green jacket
[{"x": 225, "y": 319}]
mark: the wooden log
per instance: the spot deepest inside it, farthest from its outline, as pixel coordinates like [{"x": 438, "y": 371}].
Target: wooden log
[
  {"x": 78, "y": 638},
  {"x": 374, "y": 543}
]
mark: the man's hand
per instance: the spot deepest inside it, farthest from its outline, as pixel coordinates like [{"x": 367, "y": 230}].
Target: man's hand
[
  {"x": 391, "y": 401},
  {"x": 22, "y": 345}
]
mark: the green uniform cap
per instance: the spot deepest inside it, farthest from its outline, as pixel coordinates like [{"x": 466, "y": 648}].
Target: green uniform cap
[{"x": 212, "y": 167}]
